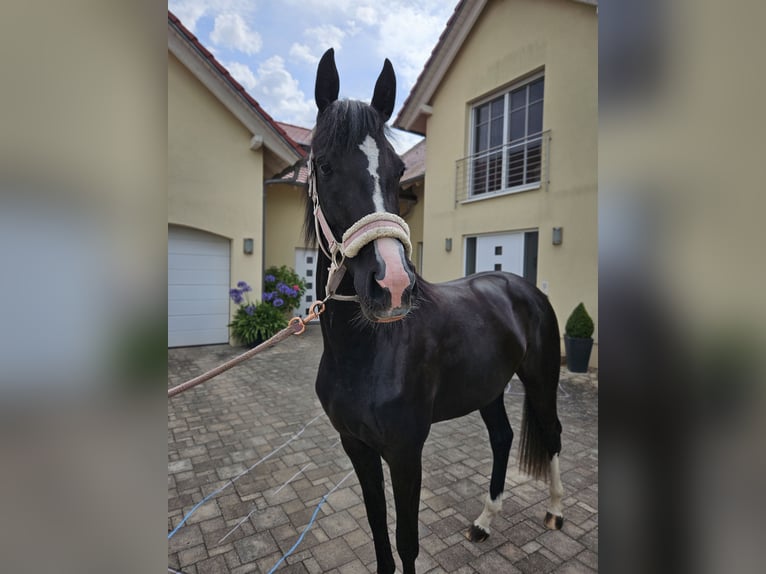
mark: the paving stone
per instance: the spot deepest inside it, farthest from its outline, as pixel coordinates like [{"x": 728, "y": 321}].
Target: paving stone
[
  {"x": 218, "y": 430},
  {"x": 561, "y": 544},
  {"x": 216, "y": 565},
  {"x": 192, "y": 555},
  {"x": 493, "y": 562},
  {"x": 333, "y": 553},
  {"x": 535, "y": 563},
  {"x": 255, "y": 546},
  {"x": 453, "y": 557}
]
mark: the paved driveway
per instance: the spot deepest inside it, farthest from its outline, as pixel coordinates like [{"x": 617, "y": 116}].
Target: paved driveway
[{"x": 222, "y": 438}]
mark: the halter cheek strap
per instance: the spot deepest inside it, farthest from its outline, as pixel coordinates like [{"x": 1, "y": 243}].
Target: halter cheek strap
[{"x": 366, "y": 230}]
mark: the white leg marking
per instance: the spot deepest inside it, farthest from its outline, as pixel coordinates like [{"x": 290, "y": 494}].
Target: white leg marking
[
  {"x": 491, "y": 507},
  {"x": 556, "y": 488},
  {"x": 370, "y": 149}
]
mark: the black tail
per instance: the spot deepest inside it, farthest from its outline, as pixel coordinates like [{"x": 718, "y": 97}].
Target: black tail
[
  {"x": 534, "y": 453},
  {"x": 539, "y": 371}
]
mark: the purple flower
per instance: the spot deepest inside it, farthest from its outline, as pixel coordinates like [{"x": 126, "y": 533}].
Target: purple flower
[
  {"x": 270, "y": 279},
  {"x": 236, "y": 295},
  {"x": 244, "y": 286},
  {"x": 268, "y": 296},
  {"x": 250, "y": 309},
  {"x": 278, "y": 302}
]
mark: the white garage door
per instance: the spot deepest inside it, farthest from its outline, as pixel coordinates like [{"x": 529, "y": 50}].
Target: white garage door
[{"x": 198, "y": 288}]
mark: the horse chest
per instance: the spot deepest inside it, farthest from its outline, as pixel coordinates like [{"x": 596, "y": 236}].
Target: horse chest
[{"x": 364, "y": 406}]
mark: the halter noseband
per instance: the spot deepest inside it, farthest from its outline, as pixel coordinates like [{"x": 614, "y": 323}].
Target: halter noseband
[{"x": 369, "y": 228}]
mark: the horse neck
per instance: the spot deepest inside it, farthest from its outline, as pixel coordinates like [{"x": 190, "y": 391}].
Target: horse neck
[{"x": 341, "y": 330}]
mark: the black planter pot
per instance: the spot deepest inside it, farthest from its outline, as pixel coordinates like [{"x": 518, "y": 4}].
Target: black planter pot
[{"x": 578, "y": 353}]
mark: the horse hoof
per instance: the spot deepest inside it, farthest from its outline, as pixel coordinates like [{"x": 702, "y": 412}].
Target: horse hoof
[
  {"x": 553, "y": 522},
  {"x": 476, "y": 534}
]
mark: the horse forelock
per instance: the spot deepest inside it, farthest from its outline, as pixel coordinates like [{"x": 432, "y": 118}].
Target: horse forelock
[{"x": 344, "y": 124}]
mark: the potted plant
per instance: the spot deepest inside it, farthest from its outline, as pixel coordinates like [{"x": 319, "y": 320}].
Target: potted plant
[
  {"x": 578, "y": 339},
  {"x": 254, "y": 323}
]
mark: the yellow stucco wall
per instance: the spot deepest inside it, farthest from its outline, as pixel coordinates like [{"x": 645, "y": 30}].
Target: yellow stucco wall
[
  {"x": 285, "y": 208},
  {"x": 513, "y": 39},
  {"x": 215, "y": 181},
  {"x": 414, "y": 218}
]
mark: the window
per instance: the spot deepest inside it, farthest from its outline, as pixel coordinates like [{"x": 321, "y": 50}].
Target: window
[{"x": 507, "y": 140}]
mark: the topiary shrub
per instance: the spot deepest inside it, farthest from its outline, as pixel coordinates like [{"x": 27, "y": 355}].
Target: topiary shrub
[{"x": 579, "y": 325}]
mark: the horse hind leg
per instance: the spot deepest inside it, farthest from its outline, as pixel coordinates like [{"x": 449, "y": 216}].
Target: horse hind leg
[
  {"x": 500, "y": 438},
  {"x": 541, "y": 435}
]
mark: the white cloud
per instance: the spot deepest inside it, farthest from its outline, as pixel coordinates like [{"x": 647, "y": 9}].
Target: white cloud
[
  {"x": 407, "y": 36},
  {"x": 231, "y": 31},
  {"x": 302, "y": 52},
  {"x": 190, "y": 11},
  {"x": 319, "y": 39},
  {"x": 243, "y": 74},
  {"x": 367, "y": 15},
  {"x": 326, "y": 36},
  {"x": 276, "y": 90}
]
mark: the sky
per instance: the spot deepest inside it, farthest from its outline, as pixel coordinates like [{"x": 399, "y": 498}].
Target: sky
[{"x": 272, "y": 47}]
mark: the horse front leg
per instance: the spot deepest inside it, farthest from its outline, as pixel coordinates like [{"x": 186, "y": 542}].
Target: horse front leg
[
  {"x": 406, "y": 473},
  {"x": 369, "y": 470}
]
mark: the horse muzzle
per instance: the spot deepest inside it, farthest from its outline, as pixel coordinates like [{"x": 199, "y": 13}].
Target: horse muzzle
[{"x": 391, "y": 284}]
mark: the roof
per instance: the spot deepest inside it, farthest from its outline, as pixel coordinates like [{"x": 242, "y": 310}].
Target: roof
[
  {"x": 275, "y": 136},
  {"x": 412, "y": 116},
  {"x": 296, "y": 174},
  {"x": 415, "y": 163},
  {"x": 297, "y": 133}
]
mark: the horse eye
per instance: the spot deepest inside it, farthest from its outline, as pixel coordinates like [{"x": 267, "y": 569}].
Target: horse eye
[{"x": 325, "y": 168}]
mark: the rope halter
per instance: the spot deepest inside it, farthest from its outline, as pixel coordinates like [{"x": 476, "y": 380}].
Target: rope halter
[{"x": 366, "y": 230}]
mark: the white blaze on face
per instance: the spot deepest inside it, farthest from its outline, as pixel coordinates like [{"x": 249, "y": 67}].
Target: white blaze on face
[{"x": 370, "y": 149}]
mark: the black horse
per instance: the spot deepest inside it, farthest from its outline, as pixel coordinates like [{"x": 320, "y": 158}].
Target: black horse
[{"x": 401, "y": 353}]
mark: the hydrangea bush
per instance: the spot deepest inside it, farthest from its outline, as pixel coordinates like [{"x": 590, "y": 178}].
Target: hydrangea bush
[
  {"x": 283, "y": 288},
  {"x": 254, "y": 322}
]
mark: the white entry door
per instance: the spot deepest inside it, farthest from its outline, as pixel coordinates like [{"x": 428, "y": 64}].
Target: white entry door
[
  {"x": 502, "y": 252},
  {"x": 198, "y": 287},
  {"x": 514, "y": 252},
  {"x": 305, "y": 266}
]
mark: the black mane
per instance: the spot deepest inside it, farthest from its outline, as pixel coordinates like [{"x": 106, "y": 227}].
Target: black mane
[{"x": 344, "y": 124}]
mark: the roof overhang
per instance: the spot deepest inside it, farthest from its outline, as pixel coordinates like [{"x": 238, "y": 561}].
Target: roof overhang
[{"x": 284, "y": 151}]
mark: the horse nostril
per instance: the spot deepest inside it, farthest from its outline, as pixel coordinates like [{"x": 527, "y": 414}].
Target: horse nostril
[{"x": 377, "y": 291}]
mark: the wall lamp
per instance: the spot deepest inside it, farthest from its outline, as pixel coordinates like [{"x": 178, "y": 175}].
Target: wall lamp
[
  {"x": 448, "y": 244},
  {"x": 558, "y": 235},
  {"x": 247, "y": 246}
]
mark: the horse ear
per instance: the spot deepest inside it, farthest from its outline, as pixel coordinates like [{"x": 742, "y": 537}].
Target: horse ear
[
  {"x": 385, "y": 91},
  {"x": 327, "y": 84}
]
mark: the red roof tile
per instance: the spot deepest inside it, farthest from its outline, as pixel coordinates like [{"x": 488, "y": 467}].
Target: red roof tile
[{"x": 298, "y": 133}]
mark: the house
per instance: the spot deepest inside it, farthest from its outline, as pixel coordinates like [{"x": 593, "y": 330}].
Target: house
[
  {"x": 508, "y": 105},
  {"x": 222, "y": 147}
]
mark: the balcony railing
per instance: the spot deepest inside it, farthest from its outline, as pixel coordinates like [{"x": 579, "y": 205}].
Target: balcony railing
[{"x": 513, "y": 167}]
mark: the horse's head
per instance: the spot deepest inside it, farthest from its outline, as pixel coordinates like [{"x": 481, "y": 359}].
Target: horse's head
[{"x": 357, "y": 176}]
